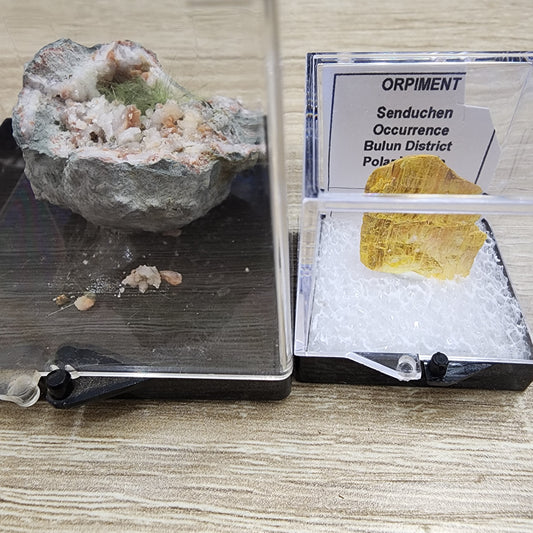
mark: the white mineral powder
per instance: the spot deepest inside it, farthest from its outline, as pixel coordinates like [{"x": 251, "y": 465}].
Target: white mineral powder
[{"x": 357, "y": 309}]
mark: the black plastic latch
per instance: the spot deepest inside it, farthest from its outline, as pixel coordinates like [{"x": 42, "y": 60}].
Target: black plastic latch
[
  {"x": 63, "y": 391},
  {"x": 438, "y": 365},
  {"x": 441, "y": 372},
  {"x": 59, "y": 384}
]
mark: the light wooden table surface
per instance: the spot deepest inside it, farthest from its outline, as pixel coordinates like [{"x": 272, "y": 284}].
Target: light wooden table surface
[{"x": 329, "y": 458}]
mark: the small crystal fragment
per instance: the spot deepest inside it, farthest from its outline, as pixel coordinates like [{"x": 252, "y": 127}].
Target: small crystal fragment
[
  {"x": 61, "y": 300},
  {"x": 171, "y": 277},
  {"x": 143, "y": 277},
  {"x": 85, "y": 302},
  {"x": 440, "y": 246}
]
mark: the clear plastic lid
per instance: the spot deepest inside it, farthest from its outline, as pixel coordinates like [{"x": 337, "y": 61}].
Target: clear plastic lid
[
  {"x": 382, "y": 279},
  {"x": 205, "y": 298}
]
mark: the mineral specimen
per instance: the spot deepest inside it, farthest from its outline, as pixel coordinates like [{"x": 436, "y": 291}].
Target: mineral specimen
[
  {"x": 61, "y": 300},
  {"x": 143, "y": 277},
  {"x": 440, "y": 246},
  {"x": 171, "y": 277},
  {"x": 108, "y": 134},
  {"x": 85, "y": 301}
]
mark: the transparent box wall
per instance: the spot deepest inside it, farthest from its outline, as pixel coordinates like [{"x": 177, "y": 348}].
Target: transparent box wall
[
  {"x": 228, "y": 319},
  {"x": 394, "y": 323}
]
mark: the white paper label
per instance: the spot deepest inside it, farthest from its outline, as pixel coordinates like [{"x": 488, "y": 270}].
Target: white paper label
[{"x": 373, "y": 115}]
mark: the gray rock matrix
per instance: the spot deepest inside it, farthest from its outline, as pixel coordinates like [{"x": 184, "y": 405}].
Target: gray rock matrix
[{"x": 113, "y": 190}]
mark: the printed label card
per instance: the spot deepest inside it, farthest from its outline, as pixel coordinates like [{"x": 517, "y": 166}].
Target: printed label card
[{"x": 374, "y": 114}]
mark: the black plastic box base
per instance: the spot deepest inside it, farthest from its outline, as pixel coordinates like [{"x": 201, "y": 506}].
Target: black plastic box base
[
  {"x": 231, "y": 351},
  {"x": 461, "y": 375},
  {"x": 85, "y": 389}
]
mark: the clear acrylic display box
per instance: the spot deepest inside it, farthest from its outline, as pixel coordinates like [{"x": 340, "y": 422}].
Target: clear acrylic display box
[
  {"x": 225, "y": 331},
  {"x": 358, "y": 325}
]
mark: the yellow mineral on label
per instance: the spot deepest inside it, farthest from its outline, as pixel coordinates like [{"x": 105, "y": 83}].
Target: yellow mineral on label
[{"x": 439, "y": 246}]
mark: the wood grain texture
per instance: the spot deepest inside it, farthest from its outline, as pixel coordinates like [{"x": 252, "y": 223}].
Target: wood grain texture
[{"x": 329, "y": 458}]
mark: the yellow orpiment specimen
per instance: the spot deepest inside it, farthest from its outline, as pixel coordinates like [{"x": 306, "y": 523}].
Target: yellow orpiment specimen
[{"x": 439, "y": 246}]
